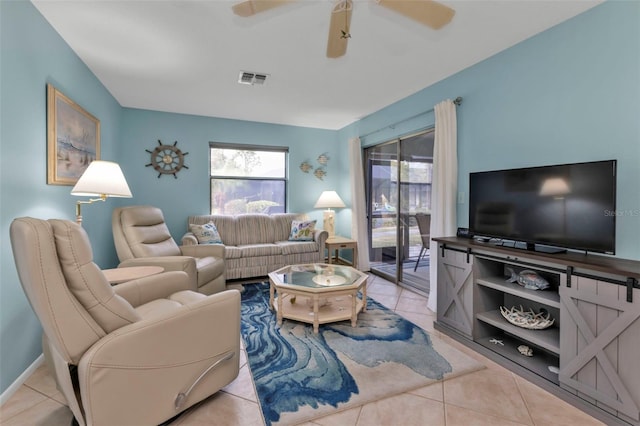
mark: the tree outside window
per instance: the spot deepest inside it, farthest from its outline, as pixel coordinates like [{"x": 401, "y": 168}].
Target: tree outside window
[{"x": 248, "y": 179}]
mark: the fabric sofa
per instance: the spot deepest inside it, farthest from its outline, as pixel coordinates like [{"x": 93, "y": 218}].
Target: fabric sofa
[{"x": 256, "y": 244}]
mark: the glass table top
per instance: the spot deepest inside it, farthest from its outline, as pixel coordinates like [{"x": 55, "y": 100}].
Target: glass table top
[{"x": 317, "y": 275}]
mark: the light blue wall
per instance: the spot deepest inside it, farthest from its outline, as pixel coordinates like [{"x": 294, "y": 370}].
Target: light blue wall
[
  {"x": 32, "y": 55},
  {"x": 189, "y": 193},
  {"x": 570, "y": 94}
]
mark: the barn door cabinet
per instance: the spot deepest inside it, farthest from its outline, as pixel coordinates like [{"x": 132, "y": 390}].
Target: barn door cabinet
[
  {"x": 455, "y": 290},
  {"x": 589, "y": 357},
  {"x": 600, "y": 351}
]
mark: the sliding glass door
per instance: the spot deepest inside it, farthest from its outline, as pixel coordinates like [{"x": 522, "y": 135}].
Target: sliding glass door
[
  {"x": 383, "y": 201},
  {"x": 399, "y": 186}
]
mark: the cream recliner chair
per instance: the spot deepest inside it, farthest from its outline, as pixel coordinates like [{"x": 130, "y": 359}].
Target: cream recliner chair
[
  {"x": 142, "y": 237},
  {"x": 138, "y": 353}
]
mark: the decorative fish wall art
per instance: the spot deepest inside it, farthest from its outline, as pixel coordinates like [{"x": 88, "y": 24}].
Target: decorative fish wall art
[
  {"x": 321, "y": 170},
  {"x": 305, "y": 167},
  {"x": 323, "y": 159},
  {"x": 320, "y": 173}
]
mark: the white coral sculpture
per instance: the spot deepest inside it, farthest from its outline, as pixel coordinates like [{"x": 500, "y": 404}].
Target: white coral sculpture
[{"x": 528, "y": 319}]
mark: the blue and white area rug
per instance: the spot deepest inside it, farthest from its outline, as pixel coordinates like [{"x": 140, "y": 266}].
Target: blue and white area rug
[{"x": 300, "y": 375}]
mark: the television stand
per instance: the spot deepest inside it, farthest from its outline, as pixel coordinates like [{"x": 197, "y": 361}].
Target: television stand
[{"x": 587, "y": 357}]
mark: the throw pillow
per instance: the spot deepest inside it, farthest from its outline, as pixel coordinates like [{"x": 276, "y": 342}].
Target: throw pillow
[
  {"x": 206, "y": 234},
  {"x": 302, "y": 230}
]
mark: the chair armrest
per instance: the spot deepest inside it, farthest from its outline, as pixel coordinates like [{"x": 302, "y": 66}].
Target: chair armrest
[
  {"x": 204, "y": 250},
  {"x": 160, "y": 286},
  {"x": 320, "y": 236},
  {"x": 169, "y": 263},
  {"x": 189, "y": 239},
  {"x": 134, "y": 374}
]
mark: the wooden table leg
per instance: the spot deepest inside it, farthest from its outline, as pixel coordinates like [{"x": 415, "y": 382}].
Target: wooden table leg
[
  {"x": 354, "y": 304},
  {"x": 364, "y": 297},
  {"x": 316, "y": 322},
  {"x": 272, "y": 291},
  {"x": 279, "y": 315},
  {"x": 355, "y": 257}
]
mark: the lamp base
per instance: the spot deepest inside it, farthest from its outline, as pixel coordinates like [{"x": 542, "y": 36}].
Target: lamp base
[{"x": 328, "y": 223}]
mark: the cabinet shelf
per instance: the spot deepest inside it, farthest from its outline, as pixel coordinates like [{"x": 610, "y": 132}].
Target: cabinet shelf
[
  {"x": 539, "y": 363},
  {"x": 548, "y": 339},
  {"x": 546, "y": 297},
  {"x": 472, "y": 288}
]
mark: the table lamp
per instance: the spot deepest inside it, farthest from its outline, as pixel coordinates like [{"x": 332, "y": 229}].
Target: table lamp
[
  {"x": 102, "y": 179},
  {"x": 329, "y": 200}
]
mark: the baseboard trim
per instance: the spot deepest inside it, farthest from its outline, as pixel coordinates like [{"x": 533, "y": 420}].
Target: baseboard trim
[{"x": 13, "y": 388}]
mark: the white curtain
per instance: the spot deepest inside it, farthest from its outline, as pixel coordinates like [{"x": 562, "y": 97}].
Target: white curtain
[
  {"x": 358, "y": 206},
  {"x": 444, "y": 187}
]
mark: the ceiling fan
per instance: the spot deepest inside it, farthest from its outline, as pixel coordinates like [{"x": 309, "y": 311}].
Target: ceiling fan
[{"x": 428, "y": 12}]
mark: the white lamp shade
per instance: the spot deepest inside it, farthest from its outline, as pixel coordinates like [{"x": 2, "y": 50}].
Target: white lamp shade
[
  {"x": 329, "y": 199},
  {"x": 102, "y": 178}
]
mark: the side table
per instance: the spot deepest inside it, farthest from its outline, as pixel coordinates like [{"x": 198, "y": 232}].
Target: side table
[
  {"x": 334, "y": 244},
  {"x": 121, "y": 275}
]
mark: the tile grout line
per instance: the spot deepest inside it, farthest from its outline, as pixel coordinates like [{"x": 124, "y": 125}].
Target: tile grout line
[
  {"x": 526, "y": 404},
  {"x": 451, "y": 404},
  {"x": 31, "y": 407}
]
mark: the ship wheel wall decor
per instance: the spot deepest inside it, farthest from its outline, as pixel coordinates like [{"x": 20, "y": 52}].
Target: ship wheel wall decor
[{"x": 167, "y": 159}]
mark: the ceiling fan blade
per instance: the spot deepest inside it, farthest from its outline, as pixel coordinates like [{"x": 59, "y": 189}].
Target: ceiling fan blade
[
  {"x": 430, "y": 13},
  {"x": 339, "y": 29},
  {"x": 251, "y": 7}
]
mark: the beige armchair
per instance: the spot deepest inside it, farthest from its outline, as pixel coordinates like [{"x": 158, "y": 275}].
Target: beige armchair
[
  {"x": 135, "y": 354},
  {"x": 142, "y": 237}
]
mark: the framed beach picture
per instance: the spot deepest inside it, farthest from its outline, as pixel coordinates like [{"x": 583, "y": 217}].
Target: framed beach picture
[{"x": 73, "y": 139}]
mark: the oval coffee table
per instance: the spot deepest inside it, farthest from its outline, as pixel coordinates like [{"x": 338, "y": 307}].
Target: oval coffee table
[{"x": 317, "y": 293}]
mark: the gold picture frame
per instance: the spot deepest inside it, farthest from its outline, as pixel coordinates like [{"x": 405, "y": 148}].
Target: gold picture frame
[{"x": 73, "y": 139}]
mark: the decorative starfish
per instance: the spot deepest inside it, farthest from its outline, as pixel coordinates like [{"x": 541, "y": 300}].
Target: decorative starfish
[{"x": 496, "y": 342}]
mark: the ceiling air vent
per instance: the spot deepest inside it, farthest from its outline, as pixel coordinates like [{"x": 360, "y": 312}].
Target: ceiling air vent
[{"x": 252, "y": 78}]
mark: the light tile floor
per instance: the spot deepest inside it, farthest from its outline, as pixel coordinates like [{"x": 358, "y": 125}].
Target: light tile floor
[{"x": 492, "y": 396}]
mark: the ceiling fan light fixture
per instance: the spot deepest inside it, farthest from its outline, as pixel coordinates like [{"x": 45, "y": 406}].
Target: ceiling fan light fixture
[
  {"x": 431, "y": 13},
  {"x": 339, "y": 28}
]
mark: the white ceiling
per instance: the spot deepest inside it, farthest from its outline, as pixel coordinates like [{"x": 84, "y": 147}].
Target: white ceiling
[{"x": 185, "y": 56}]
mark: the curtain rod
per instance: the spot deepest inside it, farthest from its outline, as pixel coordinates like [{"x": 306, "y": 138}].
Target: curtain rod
[{"x": 457, "y": 101}]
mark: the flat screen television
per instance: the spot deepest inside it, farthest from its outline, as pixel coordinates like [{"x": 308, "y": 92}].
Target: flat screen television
[{"x": 569, "y": 206}]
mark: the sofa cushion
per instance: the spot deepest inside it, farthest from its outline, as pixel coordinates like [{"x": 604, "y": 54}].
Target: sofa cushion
[
  {"x": 232, "y": 252},
  {"x": 206, "y": 234},
  {"x": 255, "y": 250},
  {"x": 254, "y": 229},
  {"x": 293, "y": 247},
  {"x": 302, "y": 230}
]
